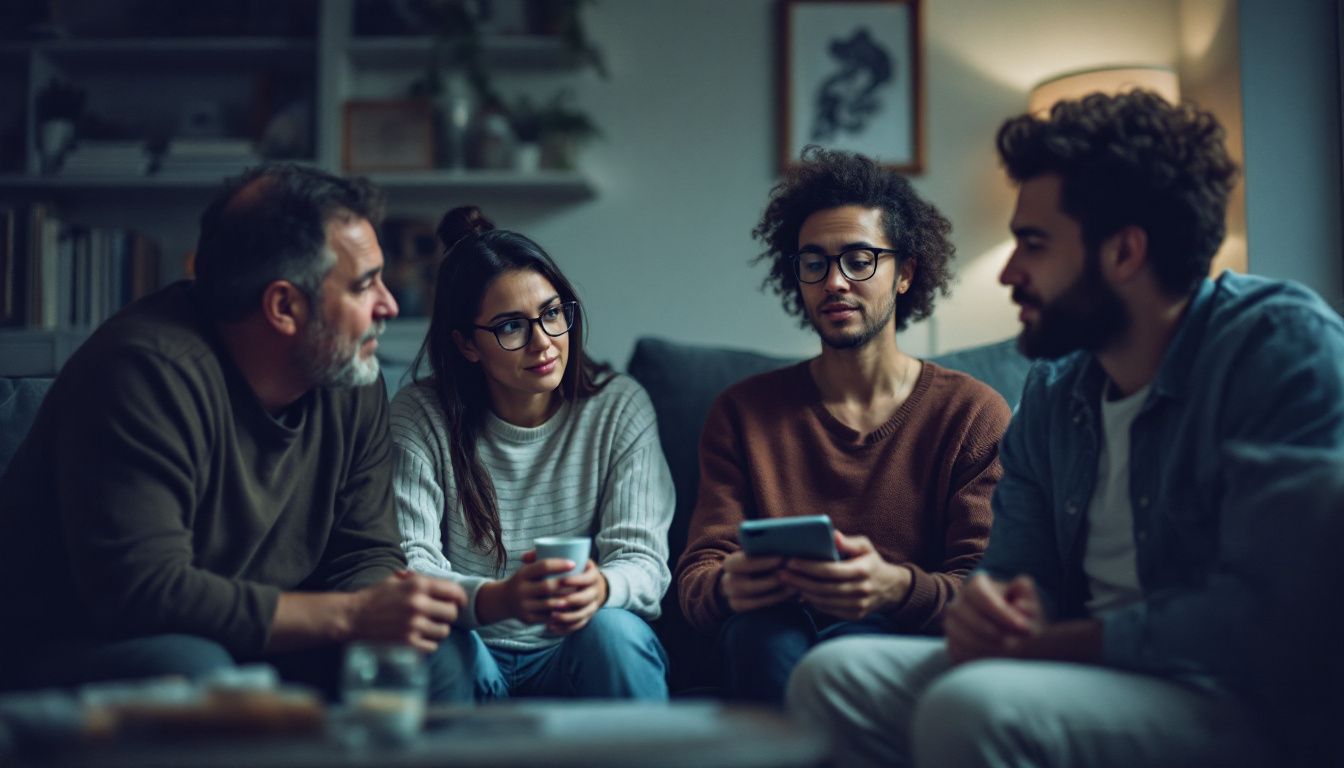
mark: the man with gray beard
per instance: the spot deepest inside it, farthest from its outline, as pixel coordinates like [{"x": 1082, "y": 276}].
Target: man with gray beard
[
  {"x": 901, "y": 453},
  {"x": 207, "y": 481}
]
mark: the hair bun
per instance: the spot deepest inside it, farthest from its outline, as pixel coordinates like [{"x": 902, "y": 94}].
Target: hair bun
[{"x": 460, "y": 222}]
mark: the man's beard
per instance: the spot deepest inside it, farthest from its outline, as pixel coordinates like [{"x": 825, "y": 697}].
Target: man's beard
[
  {"x": 328, "y": 363},
  {"x": 856, "y": 339},
  {"x": 1088, "y": 315}
]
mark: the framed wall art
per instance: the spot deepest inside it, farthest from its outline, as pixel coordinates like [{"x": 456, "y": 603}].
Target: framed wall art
[
  {"x": 850, "y": 79},
  {"x": 388, "y": 135}
]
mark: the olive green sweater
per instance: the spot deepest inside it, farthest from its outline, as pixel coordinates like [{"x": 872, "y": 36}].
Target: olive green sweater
[
  {"x": 155, "y": 494},
  {"x": 918, "y": 486}
]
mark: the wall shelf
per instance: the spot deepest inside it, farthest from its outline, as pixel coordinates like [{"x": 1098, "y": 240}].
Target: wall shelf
[
  {"x": 552, "y": 184},
  {"x": 548, "y": 184},
  {"x": 29, "y": 182},
  {"x": 176, "y": 51},
  {"x": 512, "y": 51}
]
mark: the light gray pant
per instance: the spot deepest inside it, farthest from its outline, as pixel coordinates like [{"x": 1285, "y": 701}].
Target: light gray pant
[{"x": 898, "y": 701}]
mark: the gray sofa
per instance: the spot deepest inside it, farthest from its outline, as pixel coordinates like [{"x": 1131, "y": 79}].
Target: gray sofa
[
  {"x": 19, "y": 401},
  {"x": 682, "y": 381}
]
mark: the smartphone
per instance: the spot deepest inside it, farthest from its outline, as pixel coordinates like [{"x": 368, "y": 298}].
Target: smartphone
[{"x": 806, "y": 536}]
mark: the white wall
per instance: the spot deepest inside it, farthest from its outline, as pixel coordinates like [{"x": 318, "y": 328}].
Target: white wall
[
  {"x": 683, "y": 173},
  {"x": 1210, "y": 72},
  {"x": 1290, "y": 71},
  {"x": 689, "y": 160}
]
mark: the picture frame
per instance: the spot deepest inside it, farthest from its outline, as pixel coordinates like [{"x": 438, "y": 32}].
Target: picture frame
[
  {"x": 411, "y": 263},
  {"x": 850, "y": 77},
  {"x": 387, "y": 135}
]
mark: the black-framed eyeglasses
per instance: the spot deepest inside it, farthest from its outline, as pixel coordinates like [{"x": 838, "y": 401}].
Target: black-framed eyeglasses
[
  {"x": 855, "y": 264},
  {"x": 516, "y": 332}
]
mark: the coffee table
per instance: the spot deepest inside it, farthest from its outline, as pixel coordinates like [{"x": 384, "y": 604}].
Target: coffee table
[{"x": 554, "y": 733}]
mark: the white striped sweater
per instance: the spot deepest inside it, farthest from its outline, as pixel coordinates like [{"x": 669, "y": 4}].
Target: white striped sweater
[{"x": 595, "y": 469}]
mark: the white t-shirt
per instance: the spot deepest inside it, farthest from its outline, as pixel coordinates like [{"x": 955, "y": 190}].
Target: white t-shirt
[{"x": 1109, "y": 555}]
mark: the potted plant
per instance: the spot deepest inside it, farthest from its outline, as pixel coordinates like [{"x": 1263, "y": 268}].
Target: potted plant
[
  {"x": 57, "y": 108},
  {"x": 457, "y": 52},
  {"x": 525, "y": 120},
  {"x": 561, "y": 129},
  {"x": 458, "y": 48}
]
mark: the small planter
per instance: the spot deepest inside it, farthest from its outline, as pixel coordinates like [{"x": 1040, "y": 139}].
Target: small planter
[
  {"x": 54, "y": 137},
  {"x": 560, "y": 152},
  {"x": 58, "y": 105},
  {"x": 527, "y": 157}
]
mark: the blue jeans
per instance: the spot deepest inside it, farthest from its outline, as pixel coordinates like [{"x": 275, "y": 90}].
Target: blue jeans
[
  {"x": 760, "y": 648},
  {"x": 192, "y": 657},
  {"x": 616, "y": 656}
]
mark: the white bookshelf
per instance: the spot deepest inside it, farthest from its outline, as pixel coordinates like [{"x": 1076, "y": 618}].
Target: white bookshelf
[{"x": 332, "y": 66}]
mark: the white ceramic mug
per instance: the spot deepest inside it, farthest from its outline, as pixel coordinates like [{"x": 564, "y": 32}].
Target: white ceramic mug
[{"x": 575, "y": 548}]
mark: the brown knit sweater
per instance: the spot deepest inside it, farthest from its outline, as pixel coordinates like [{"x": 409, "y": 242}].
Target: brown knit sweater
[{"x": 919, "y": 486}]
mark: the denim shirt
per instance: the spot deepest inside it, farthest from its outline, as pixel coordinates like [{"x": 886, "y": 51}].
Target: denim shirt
[{"x": 1255, "y": 365}]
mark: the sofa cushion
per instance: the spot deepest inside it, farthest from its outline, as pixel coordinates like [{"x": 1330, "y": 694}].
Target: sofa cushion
[
  {"x": 999, "y": 365},
  {"x": 682, "y": 381},
  {"x": 19, "y": 401}
]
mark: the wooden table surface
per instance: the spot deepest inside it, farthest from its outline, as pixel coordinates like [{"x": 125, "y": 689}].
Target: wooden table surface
[{"x": 554, "y": 733}]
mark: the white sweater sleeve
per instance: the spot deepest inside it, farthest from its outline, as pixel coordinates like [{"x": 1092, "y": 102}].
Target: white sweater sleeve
[
  {"x": 638, "y": 499},
  {"x": 421, "y": 482}
]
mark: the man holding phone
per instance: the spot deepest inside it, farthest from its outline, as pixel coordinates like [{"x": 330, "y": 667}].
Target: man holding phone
[{"x": 901, "y": 454}]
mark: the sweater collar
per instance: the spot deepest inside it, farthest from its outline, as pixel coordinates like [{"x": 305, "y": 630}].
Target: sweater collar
[
  {"x": 888, "y": 428},
  {"x": 512, "y": 433}
]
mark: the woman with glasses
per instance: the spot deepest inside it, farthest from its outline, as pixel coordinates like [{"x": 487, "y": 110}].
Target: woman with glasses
[{"x": 515, "y": 435}]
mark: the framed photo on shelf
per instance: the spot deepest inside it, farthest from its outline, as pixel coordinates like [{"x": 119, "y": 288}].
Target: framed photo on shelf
[
  {"x": 411, "y": 250},
  {"x": 388, "y": 135},
  {"x": 849, "y": 78}
]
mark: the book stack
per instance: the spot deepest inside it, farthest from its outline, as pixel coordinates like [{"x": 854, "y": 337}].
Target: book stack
[
  {"x": 56, "y": 275},
  {"x": 210, "y": 158},
  {"x": 106, "y": 158}
]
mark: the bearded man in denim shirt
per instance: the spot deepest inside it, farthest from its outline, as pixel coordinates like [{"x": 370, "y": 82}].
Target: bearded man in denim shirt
[{"x": 1172, "y": 459}]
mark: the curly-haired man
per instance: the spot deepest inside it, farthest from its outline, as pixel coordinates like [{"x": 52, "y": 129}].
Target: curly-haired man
[
  {"x": 1165, "y": 476},
  {"x": 902, "y": 454}
]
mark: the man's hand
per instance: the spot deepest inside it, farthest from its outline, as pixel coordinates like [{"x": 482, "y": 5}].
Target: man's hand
[
  {"x": 527, "y": 595},
  {"x": 572, "y": 611},
  {"x": 406, "y": 608},
  {"x": 991, "y": 618},
  {"x": 749, "y": 583},
  {"x": 852, "y": 588}
]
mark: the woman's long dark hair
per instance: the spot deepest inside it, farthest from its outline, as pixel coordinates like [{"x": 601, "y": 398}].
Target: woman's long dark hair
[{"x": 475, "y": 253}]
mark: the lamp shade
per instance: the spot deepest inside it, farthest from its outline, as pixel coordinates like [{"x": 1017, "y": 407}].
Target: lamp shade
[{"x": 1110, "y": 80}]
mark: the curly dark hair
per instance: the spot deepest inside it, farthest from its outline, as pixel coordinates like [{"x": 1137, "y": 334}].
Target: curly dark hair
[
  {"x": 1133, "y": 159},
  {"x": 830, "y": 179}
]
